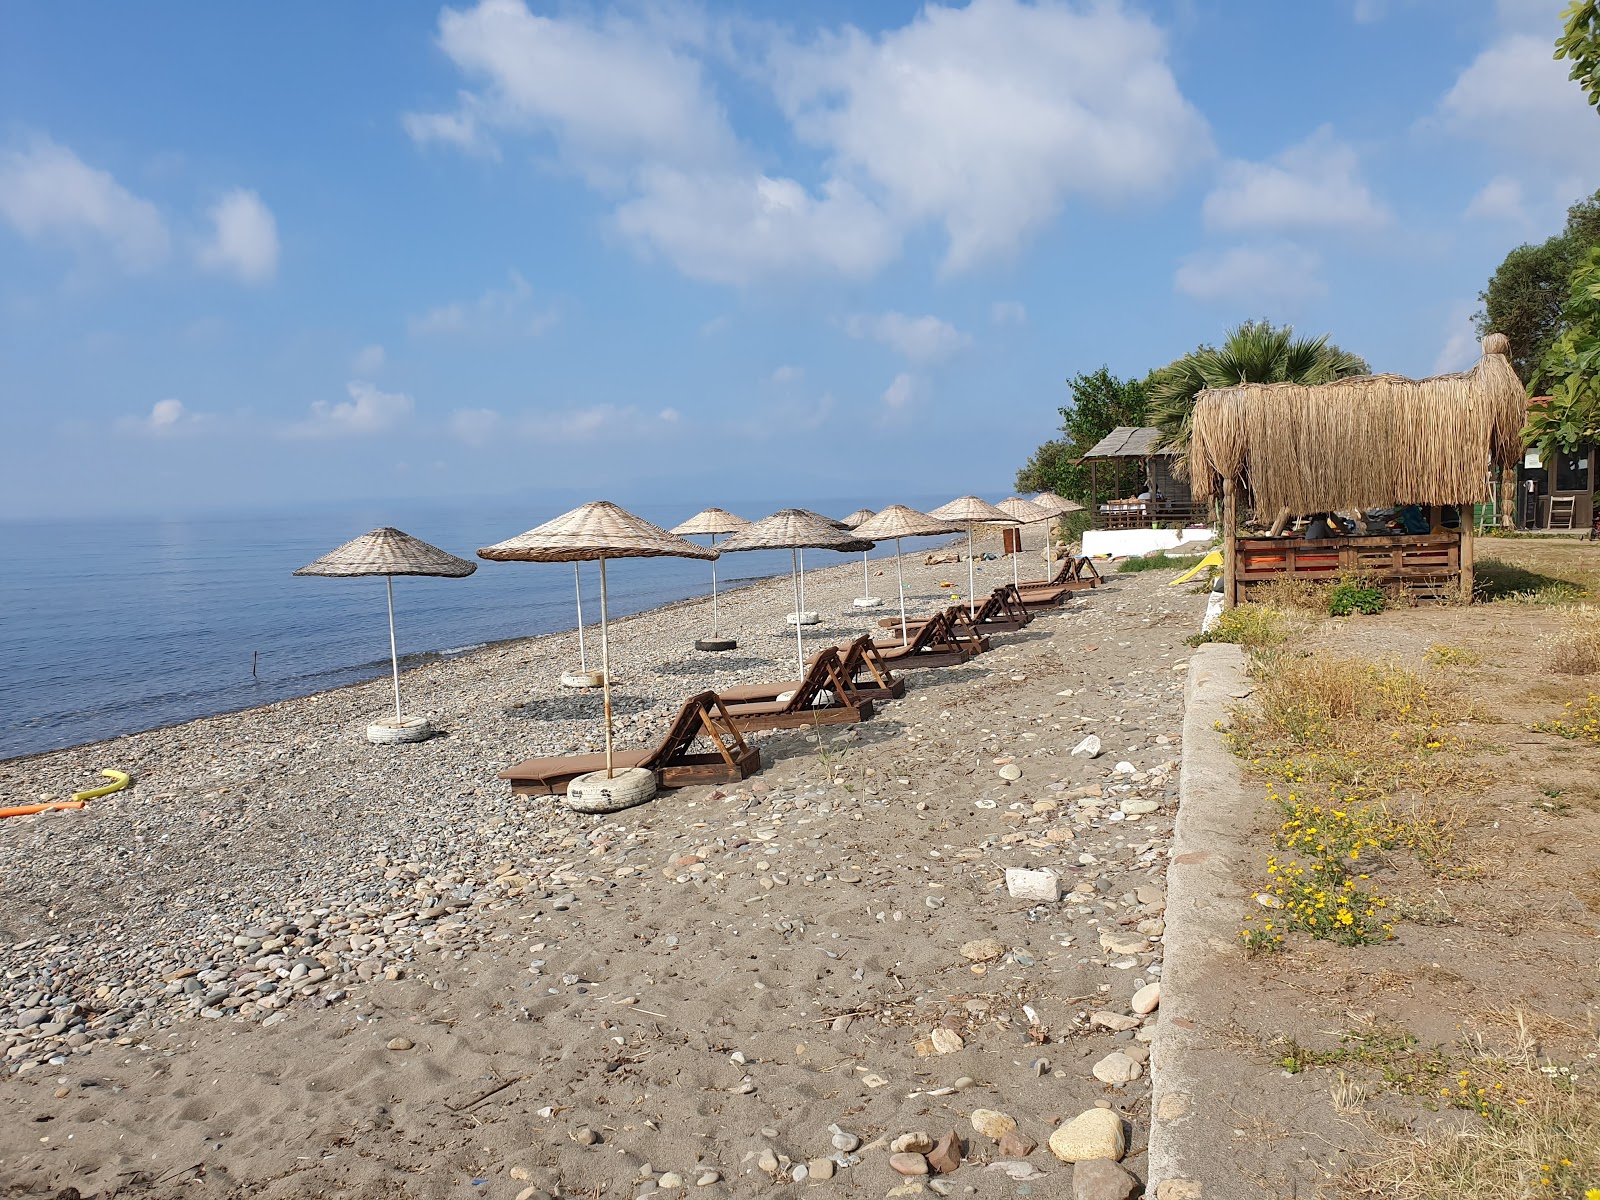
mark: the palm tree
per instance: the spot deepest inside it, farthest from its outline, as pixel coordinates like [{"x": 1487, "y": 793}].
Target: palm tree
[{"x": 1255, "y": 352}]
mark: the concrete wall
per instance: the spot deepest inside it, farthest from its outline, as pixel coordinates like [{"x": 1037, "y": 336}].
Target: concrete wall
[{"x": 1133, "y": 543}]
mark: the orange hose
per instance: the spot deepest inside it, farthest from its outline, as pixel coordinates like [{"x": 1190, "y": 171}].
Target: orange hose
[{"x": 27, "y": 810}]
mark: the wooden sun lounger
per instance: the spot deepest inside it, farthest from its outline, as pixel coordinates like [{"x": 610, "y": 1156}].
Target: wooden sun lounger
[
  {"x": 674, "y": 763},
  {"x": 1075, "y": 574},
  {"x": 855, "y": 660},
  {"x": 936, "y": 643},
  {"x": 1002, "y": 612},
  {"x": 802, "y": 708}
]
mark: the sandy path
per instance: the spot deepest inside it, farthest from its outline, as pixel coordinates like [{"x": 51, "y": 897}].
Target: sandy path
[{"x": 709, "y": 982}]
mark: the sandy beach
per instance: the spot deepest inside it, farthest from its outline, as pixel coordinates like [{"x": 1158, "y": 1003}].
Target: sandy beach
[{"x": 290, "y": 963}]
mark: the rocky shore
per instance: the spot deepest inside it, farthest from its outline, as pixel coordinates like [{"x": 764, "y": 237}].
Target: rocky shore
[{"x": 288, "y": 962}]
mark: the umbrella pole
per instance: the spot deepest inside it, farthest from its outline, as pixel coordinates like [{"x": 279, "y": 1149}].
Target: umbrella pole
[
  {"x": 1016, "y": 556},
  {"x": 900, "y": 578},
  {"x": 800, "y": 603},
  {"x": 394, "y": 655},
  {"x": 605, "y": 667},
  {"x": 866, "y": 587},
  {"x": 799, "y": 642},
  {"x": 716, "y": 619},
  {"x": 583, "y": 655},
  {"x": 972, "y": 600}
]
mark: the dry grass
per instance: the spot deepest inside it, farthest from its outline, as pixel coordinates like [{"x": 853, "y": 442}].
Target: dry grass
[
  {"x": 1254, "y": 626},
  {"x": 1574, "y": 649},
  {"x": 1290, "y": 591}
]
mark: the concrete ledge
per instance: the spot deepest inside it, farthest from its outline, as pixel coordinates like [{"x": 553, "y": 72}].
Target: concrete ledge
[{"x": 1192, "y": 1069}]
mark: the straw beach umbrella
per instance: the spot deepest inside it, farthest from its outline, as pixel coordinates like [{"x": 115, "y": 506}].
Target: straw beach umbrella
[
  {"x": 712, "y": 521},
  {"x": 1057, "y": 507},
  {"x": 791, "y": 529},
  {"x": 971, "y": 511},
  {"x": 596, "y": 531},
  {"x": 1027, "y": 514},
  {"x": 897, "y": 521},
  {"x": 853, "y": 521},
  {"x": 388, "y": 552}
]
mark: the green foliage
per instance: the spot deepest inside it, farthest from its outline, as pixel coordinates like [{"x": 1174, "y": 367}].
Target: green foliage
[
  {"x": 1570, "y": 370},
  {"x": 1252, "y": 625},
  {"x": 1529, "y": 289},
  {"x": 1255, "y": 352},
  {"x": 1351, "y": 595},
  {"x": 1579, "y": 43},
  {"x": 1161, "y": 561},
  {"x": 1100, "y": 403}
]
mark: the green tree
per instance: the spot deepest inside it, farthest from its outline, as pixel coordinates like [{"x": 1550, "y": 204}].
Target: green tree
[
  {"x": 1255, "y": 352},
  {"x": 1570, "y": 370},
  {"x": 1579, "y": 43},
  {"x": 1528, "y": 290},
  {"x": 1100, "y": 403}
]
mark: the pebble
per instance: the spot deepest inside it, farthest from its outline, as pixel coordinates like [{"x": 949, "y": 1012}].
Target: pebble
[
  {"x": 908, "y": 1164},
  {"x": 1017, "y": 1144},
  {"x": 1147, "y": 999},
  {"x": 992, "y": 1123},
  {"x": 585, "y": 1136},
  {"x": 1089, "y": 747},
  {"x": 1117, "y": 1067},
  {"x": 707, "y": 1178},
  {"x": 670, "y": 1180},
  {"x": 1010, "y": 771},
  {"x": 913, "y": 1143},
  {"x": 767, "y": 1161},
  {"x": 401, "y": 1043},
  {"x": 843, "y": 1141},
  {"x": 947, "y": 1041},
  {"x": 821, "y": 1169},
  {"x": 1025, "y": 884},
  {"x": 1102, "y": 1179},
  {"x": 983, "y": 950},
  {"x": 1096, "y": 1133}
]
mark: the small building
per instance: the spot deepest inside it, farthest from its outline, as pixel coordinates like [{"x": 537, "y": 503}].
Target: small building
[
  {"x": 1276, "y": 451},
  {"x": 1557, "y": 493},
  {"x": 1145, "y": 492}
]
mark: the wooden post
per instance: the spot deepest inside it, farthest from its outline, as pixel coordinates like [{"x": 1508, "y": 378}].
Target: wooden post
[
  {"x": 1230, "y": 543},
  {"x": 1466, "y": 521}
]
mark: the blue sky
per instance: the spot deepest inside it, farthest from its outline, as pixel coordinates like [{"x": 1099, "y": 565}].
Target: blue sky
[{"x": 289, "y": 255}]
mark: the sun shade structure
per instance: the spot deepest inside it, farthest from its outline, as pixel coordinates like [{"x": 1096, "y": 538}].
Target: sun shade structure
[
  {"x": 853, "y": 521},
  {"x": 970, "y": 512},
  {"x": 595, "y": 532},
  {"x": 897, "y": 521},
  {"x": 388, "y": 552},
  {"x": 709, "y": 522},
  {"x": 1369, "y": 441},
  {"x": 793, "y": 529},
  {"x": 1056, "y": 506},
  {"x": 1026, "y": 513}
]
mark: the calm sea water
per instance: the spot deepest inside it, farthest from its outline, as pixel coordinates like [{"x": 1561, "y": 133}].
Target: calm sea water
[{"x": 111, "y": 627}]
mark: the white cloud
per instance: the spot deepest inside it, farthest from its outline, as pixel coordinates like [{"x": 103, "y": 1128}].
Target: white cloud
[
  {"x": 921, "y": 340},
  {"x": 1316, "y": 184},
  {"x": 1500, "y": 200},
  {"x": 475, "y": 426},
  {"x": 498, "y": 312},
  {"x": 1460, "y": 349},
  {"x": 788, "y": 374},
  {"x": 734, "y": 227},
  {"x": 460, "y": 129},
  {"x": 243, "y": 240},
  {"x": 480, "y": 426},
  {"x": 670, "y": 415},
  {"x": 902, "y": 392},
  {"x": 1008, "y": 312},
  {"x": 368, "y": 411},
  {"x": 1515, "y": 96},
  {"x": 606, "y": 87},
  {"x": 1279, "y": 271},
  {"x": 369, "y": 360},
  {"x": 165, "y": 418},
  {"x": 48, "y": 191},
  {"x": 987, "y": 118}
]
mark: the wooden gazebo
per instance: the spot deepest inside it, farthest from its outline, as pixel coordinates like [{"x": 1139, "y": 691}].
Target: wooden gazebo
[{"x": 1372, "y": 441}]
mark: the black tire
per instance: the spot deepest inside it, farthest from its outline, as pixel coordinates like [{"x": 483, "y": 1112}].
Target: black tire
[{"x": 716, "y": 644}]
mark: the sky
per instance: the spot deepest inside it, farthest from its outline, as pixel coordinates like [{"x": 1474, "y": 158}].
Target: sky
[{"x": 276, "y": 256}]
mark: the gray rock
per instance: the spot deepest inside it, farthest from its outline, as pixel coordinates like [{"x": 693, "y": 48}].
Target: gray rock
[{"x": 1102, "y": 1179}]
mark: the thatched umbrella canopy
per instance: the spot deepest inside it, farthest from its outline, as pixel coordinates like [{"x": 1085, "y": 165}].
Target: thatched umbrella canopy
[
  {"x": 897, "y": 521},
  {"x": 388, "y": 552},
  {"x": 1027, "y": 513},
  {"x": 1056, "y": 506},
  {"x": 971, "y": 511},
  {"x": 791, "y": 529},
  {"x": 709, "y": 522},
  {"x": 853, "y": 521},
  {"x": 1368, "y": 441},
  {"x": 593, "y": 533}
]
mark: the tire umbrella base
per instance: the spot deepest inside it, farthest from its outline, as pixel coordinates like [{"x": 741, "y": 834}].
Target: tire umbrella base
[
  {"x": 394, "y": 730},
  {"x": 716, "y": 644}
]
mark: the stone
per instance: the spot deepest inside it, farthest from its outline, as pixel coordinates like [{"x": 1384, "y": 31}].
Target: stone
[
  {"x": 1116, "y": 1022},
  {"x": 1088, "y": 748},
  {"x": 1115, "y": 942},
  {"x": 1025, "y": 884},
  {"x": 843, "y": 1141},
  {"x": 1147, "y": 999},
  {"x": 1017, "y": 1145},
  {"x": 401, "y": 1043},
  {"x": 1014, "y": 1169},
  {"x": 1093, "y": 1134},
  {"x": 945, "y": 1156},
  {"x": 707, "y": 1178},
  {"x": 992, "y": 1124},
  {"x": 1117, "y": 1067},
  {"x": 947, "y": 1041},
  {"x": 768, "y": 1161},
  {"x": 1125, "y": 768},
  {"x": 911, "y": 1143},
  {"x": 1010, "y": 772},
  {"x": 821, "y": 1169},
  {"x": 1139, "y": 808},
  {"x": 908, "y": 1164},
  {"x": 533, "y": 1193},
  {"x": 983, "y": 950},
  {"x": 671, "y": 1180},
  {"x": 1150, "y": 894},
  {"x": 1102, "y": 1179},
  {"x": 586, "y": 1136}
]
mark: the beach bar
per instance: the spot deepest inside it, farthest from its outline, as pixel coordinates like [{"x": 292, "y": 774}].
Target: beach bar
[{"x": 1373, "y": 443}]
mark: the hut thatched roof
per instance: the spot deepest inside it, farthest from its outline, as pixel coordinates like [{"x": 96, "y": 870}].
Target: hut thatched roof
[
  {"x": 1129, "y": 441},
  {"x": 1363, "y": 442}
]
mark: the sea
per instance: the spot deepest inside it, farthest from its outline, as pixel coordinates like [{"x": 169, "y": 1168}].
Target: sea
[{"x": 114, "y": 626}]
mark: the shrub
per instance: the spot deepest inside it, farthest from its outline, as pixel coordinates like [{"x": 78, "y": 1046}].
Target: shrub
[
  {"x": 1575, "y": 649},
  {"x": 1251, "y": 625},
  {"x": 1161, "y": 561},
  {"x": 1353, "y": 595}
]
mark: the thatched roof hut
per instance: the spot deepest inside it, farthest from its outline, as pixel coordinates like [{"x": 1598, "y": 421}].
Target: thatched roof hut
[{"x": 1364, "y": 442}]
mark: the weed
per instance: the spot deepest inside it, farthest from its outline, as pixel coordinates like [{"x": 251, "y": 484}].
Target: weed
[
  {"x": 1575, "y": 648},
  {"x": 1441, "y": 654},
  {"x": 1159, "y": 561},
  {"x": 1353, "y": 594},
  {"x": 1580, "y": 722},
  {"x": 1249, "y": 625},
  {"x": 1290, "y": 591}
]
